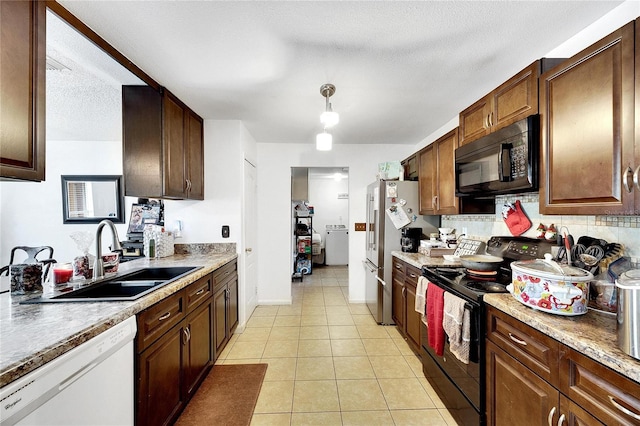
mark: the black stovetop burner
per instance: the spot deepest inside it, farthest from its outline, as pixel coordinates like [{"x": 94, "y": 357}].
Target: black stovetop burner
[{"x": 474, "y": 287}]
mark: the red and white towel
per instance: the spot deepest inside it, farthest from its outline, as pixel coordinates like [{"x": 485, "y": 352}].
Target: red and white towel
[
  {"x": 421, "y": 298},
  {"x": 435, "y": 306}
]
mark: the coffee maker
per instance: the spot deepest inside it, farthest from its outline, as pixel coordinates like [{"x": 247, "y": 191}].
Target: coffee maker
[{"x": 410, "y": 240}]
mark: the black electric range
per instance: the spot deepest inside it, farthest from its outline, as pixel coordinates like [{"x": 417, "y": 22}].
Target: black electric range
[{"x": 461, "y": 386}]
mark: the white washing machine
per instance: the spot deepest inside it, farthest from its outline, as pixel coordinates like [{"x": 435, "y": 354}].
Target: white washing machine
[{"x": 336, "y": 245}]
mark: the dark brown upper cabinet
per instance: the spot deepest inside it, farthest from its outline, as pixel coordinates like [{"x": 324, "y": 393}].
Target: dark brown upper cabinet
[
  {"x": 587, "y": 130},
  {"x": 162, "y": 144},
  {"x": 22, "y": 85}
]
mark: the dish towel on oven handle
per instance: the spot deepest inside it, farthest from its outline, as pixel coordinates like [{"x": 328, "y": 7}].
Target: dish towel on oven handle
[
  {"x": 457, "y": 324},
  {"x": 435, "y": 305},
  {"x": 421, "y": 298}
]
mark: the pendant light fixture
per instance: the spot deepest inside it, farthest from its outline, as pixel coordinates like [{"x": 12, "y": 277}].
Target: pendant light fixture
[{"x": 328, "y": 118}]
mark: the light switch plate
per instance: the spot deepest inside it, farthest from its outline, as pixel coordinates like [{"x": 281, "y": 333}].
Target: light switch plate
[{"x": 225, "y": 231}]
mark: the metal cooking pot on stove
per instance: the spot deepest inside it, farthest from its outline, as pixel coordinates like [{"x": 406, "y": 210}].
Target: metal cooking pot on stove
[{"x": 481, "y": 262}]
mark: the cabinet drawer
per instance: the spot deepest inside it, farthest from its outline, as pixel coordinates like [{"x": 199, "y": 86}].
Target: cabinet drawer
[
  {"x": 222, "y": 274},
  {"x": 198, "y": 292},
  {"x": 411, "y": 276},
  {"x": 154, "y": 321},
  {"x": 398, "y": 266},
  {"x": 601, "y": 391},
  {"x": 532, "y": 348}
]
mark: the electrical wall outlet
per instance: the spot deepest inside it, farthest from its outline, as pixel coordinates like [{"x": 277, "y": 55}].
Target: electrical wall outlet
[{"x": 360, "y": 226}]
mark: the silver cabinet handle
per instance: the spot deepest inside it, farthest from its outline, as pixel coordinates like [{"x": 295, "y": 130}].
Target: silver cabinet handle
[
  {"x": 200, "y": 292},
  {"x": 490, "y": 119},
  {"x": 625, "y": 179},
  {"x": 398, "y": 266},
  {"x": 413, "y": 275},
  {"x": 636, "y": 178},
  {"x": 561, "y": 420},
  {"x": 165, "y": 316},
  {"x": 185, "y": 336},
  {"x": 551, "y": 414},
  {"x": 518, "y": 341},
  {"x": 623, "y": 409}
]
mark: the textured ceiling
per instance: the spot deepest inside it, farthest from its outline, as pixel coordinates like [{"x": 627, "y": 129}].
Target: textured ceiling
[{"x": 402, "y": 69}]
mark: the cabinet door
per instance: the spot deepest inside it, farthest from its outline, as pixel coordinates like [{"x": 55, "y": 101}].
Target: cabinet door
[
  {"x": 175, "y": 182},
  {"x": 232, "y": 306},
  {"x": 474, "y": 121},
  {"x": 220, "y": 319},
  {"x": 574, "y": 415},
  {"x": 160, "y": 380},
  {"x": 515, "y": 395},
  {"x": 587, "y": 124},
  {"x": 195, "y": 147},
  {"x": 22, "y": 84},
  {"x": 398, "y": 302},
  {"x": 412, "y": 318},
  {"x": 446, "y": 202},
  {"x": 199, "y": 346},
  {"x": 515, "y": 99},
  {"x": 427, "y": 180}
]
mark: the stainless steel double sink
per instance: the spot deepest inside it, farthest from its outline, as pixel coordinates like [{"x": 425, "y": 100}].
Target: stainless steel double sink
[{"x": 130, "y": 286}]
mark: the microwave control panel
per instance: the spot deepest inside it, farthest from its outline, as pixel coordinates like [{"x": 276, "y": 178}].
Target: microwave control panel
[{"x": 519, "y": 158}]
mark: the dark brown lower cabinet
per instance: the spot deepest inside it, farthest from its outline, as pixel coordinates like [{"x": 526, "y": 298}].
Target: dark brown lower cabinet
[
  {"x": 532, "y": 379},
  {"x": 404, "y": 283},
  {"x": 175, "y": 351},
  {"x": 225, "y": 304}
]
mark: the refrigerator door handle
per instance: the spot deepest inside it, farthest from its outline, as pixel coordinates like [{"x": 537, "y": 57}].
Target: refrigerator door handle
[
  {"x": 381, "y": 281},
  {"x": 373, "y": 268}
]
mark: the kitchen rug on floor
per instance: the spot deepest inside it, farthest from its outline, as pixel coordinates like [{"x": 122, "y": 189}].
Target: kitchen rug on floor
[{"x": 227, "y": 396}]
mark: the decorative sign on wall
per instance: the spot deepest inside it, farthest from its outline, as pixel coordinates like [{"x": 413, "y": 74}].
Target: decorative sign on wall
[{"x": 343, "y": 196}]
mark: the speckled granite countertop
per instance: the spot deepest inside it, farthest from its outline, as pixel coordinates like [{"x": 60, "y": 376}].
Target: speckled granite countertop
[
  {"x": 593, "y": 334},
  {"x": 32, "y": 335},
  {"x": 419, "y": 259}
]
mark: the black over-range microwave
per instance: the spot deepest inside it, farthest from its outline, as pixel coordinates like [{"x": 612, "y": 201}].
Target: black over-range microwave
[{"x": 502, "y": 162}]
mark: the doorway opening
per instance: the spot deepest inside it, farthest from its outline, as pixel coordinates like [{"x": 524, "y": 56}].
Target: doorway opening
[{"x": 319, "y": 219}]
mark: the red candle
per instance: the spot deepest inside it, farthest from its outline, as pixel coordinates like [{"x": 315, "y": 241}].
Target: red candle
[{"x": 62, "y": 274}]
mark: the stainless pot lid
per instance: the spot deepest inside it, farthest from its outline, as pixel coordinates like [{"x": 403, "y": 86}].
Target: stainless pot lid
[
  {"x": 629, "y": 280},
  {"x": 555, "y": 270}
]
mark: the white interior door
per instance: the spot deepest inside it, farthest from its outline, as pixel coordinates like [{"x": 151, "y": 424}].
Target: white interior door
[{"x": 249, "y": 239}]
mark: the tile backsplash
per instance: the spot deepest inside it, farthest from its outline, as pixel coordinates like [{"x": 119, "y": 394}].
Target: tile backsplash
[{"x": 621, "y": 229}]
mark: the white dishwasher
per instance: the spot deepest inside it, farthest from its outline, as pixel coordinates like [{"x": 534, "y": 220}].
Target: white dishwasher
[
  {"x": 91, "y": 384},
  {"x": 336, "y": 245}
]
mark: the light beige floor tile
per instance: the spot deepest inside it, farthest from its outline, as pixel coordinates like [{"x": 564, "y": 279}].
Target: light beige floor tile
[
  {"x": 418, "y": 417},
  {"x": 284, "y": 333},
  {"x": 330, "y": 282},
  {"x": 360, "y": 395},
  {"x": 363, "y": 319},
  {"x": 415, "y": 363},
  {"x": 447, "y": 417},
  {"x": 313, "y": 419},
  {"x": 343, "y": 332},
  {"x": 290, "y": 310},
  {"x": 307, "y": 320},
  {"x": 314, "y": 310},
  {"x": 394, "y": 333},
  {"x": 372, "y": 332},
  {"x": 337, "y": 310},
  {"x": 319, "y": 368},
  {"x": 265, "y": 321},
  {"x": 331, "y": 291},
  {"x": 431, "y": 392},
  {"x": 353, "y": 367},
  {"x": 368, "y": 418},
  {"x": 315, "y": 396},
  {"x": 359, "y": 309},
  {"x": 246, "y": 350},
  {"x": 265, "y": 311},
  {"x": 275, "y": 397},
  {"x": 258, "y": 334},
  {"x": 314, "y": 332},
  {"x": 335, "y": 301},
  {"x": 281, "y": 349},
  {"x": 347, "y": 347},
  {"x": 391, "y": 367},
  {"x": 405, "y": 394},
  {"x": 380, "y": 347},
  {"x": 403, "y": 347},
  {"x": 276, "y": 419},
  {"x": 287, "y": 321},
  {"x": 280, "y": 368},
  {"x": 314, "y": 348},
  {"x": 339, "y": 319}
]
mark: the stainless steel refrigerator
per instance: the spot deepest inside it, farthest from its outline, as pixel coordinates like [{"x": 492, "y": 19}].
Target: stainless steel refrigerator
[{"x": 383, "y": 237}]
